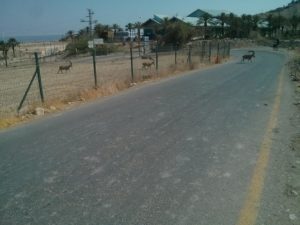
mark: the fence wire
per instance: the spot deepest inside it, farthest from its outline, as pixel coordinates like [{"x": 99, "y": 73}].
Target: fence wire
[{"x": 114, "y": 71}]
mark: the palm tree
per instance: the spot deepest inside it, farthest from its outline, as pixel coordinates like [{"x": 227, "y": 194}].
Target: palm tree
[
  {"x": 255, "y": 19},
  {"x": 70, "y": 34},
  {"x": 12, "y": 42},
  {"x": 222, "y": 17},
  {"x": 138, "y": 25},
  {"x": 129, "y": 27},
  {"x": 270, "y": 21},
  {"x": 294, "y": 21},
  {"x": 235, "y": 25},
  {"x": 205, "y": 17},
  {"x": 246, "y": 25},
  {"x": 116, "y": 27},
  {"x": 84, "y": 32}
]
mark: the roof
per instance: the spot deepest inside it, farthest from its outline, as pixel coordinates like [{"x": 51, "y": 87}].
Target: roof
[
  {"x": 160, "y": 18},
  {"x": 197, "y": 13},
  {"x": 263, "y": 24},
  {"x": 214, "y": 13},
  {"x": 150, "y": 22},
  {"x": 192, "y": 20}
]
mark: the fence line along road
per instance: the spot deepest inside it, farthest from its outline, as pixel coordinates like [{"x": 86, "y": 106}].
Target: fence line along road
[{"x": 114, "y": 71}]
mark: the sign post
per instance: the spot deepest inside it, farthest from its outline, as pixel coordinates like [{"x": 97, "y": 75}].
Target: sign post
[{"x": 92, "y": 44}]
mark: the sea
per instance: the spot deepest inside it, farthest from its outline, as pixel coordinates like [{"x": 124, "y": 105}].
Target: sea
[{"x": 35, "y": 38}]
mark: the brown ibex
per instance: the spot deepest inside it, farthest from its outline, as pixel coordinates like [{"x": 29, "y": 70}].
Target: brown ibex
[
  {"x": 147, "y": 65},
  {"x": 61, "y": 68},
  {"x": 249, "y": 56}
]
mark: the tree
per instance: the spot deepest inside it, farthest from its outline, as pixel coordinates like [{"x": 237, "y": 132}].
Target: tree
[
  {"x": 116, "y": 28},
  {"x": 235, "y": 26},
  {"x": 12, "y": 42},
  {"x": 246, "y": 25},
  {"x": 222, "y": 17},
  {"x": 99, "y": 30},
  {"x": 205, "y": 17},
  {"x": 137, "y": 26},
  {"x": 4, "y": 47},
  {"x": 294, "y": 21},
  {"x": 255, "y": 19},
  {"x": 70, "y": 35},
  {"x": 129, "y": 27},
  {"x": 177, "y": 33},
  {"x": 102, "y": 31},
  {"x": 271, "y": 26},
  {"x": 84, "y": 32}
]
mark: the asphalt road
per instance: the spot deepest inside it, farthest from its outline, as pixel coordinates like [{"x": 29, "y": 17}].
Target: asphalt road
[{"x": 178, "y": 151}]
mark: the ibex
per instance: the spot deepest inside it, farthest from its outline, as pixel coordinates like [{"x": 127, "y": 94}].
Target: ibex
[
  {"x": 147, "y": 57},
  {"x": 64, "y": 67},
  {"x": 249, "y": 56},
  {"x": 147, "y": 65}
]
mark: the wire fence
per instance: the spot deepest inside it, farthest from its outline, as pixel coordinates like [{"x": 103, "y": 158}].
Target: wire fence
[{"x": 114, "y": 72}]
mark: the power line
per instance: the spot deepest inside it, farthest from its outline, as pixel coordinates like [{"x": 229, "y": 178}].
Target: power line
[{"x": 90, "y": 21}]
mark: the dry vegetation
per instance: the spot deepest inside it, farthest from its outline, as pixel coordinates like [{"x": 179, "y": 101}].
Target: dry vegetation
[{"x": 77, "y": 85}]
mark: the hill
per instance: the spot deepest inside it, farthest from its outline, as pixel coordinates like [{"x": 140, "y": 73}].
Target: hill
[{"x": 288, "y": 11}]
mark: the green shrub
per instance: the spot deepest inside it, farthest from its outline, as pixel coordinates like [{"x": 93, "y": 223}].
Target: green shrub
[
  {"x": 77, "y": 47},
  {"x": 106, "y": 49}
]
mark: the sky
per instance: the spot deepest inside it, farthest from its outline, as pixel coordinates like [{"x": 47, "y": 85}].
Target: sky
[{"x": 45, "y": 17}]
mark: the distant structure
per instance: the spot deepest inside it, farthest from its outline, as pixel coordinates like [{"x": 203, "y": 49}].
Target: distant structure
[{"x": 193, "y": 19}]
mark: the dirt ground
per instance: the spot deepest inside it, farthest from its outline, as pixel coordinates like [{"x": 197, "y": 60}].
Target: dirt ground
[
  {"x": 77, "y": 84},
  {"x": 293, "y": 180}
]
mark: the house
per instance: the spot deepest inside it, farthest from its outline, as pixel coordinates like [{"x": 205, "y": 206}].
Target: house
[
  {"x": 152, "y": 24},
  {"x": 208, "y": 22},
  {"x": 214, "y": 26}
]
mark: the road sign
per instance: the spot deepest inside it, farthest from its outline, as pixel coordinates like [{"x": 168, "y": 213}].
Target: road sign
[
  {"x": 98, "y": 41},
  {"x": 91, "y": 44}
]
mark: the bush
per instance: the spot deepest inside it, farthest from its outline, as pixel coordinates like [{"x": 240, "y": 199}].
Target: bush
[
  {"x": 177, "y": 33},
  {"x": 106, "y": 49},
  {"x": 77, "y": 47}
]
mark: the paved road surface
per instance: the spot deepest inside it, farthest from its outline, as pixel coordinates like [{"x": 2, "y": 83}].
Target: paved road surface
[{"x": 179, "y": 151}]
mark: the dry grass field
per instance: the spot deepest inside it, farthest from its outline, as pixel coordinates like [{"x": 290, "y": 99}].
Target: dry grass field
[{"x": 77, "y": 84}]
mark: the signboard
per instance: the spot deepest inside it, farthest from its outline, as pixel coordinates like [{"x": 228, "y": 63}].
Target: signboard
[
  {"x": 97, "y": 41},
  {"x": 91, "y": 44}
]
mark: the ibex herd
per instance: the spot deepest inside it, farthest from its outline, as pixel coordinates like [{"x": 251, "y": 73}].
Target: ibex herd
[{"x": 61, "y": 68}]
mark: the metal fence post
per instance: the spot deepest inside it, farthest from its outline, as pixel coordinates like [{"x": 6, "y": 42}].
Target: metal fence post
[
  {"x": 131, "y": 63},
  {"x": 175, "y": 54},
  {"x": 156, "y": 55},
  {"x": 190, "y": 54},
  {"x": 224, "y": 49},
  {"x": 203, "y": 43},
  {"x": 209, "y": 52},
  {"x": 26, "y": 92},
  {"x": 38, "y": 72},
  {"x": 94, "y": 66},
  {"x": 218, "y": 53},
  {"x": 228, "y": 53}
]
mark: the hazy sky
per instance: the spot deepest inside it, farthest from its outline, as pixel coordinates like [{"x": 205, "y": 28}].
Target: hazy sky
[{"x": 35, "y": 17}]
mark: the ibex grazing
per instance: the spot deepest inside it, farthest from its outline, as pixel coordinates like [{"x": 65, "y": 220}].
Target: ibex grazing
[
  {"x": 147, "y": 65},
  {"x": 61, "y": 68},
  {"x": 249, "y": 56}
]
